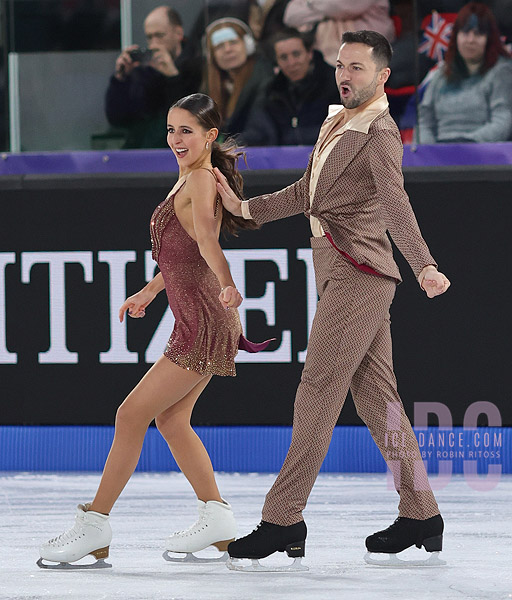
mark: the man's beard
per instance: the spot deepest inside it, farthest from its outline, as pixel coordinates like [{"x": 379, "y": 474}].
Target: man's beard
[{"x": 361, "y": 96}]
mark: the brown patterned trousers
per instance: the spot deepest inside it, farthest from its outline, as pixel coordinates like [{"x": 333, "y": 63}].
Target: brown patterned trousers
[{"x": 349, "y": 347}]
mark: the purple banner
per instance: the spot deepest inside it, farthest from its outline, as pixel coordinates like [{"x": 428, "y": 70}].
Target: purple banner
[{"x": 284, "y": 157}]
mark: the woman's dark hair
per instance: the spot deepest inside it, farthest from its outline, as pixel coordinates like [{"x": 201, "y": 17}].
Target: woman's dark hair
[
  {"x": 478, "y": 16},
  {"x": 224, "y": 156}
]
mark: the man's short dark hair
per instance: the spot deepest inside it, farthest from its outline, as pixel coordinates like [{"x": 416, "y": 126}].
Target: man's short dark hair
[
  {"x": 174, "y": 17},
  {"x": 381, "y": 48},
  {"x": 289, "y": 33}
]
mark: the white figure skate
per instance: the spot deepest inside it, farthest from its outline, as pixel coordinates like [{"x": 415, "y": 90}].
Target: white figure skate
[
  {"x": 216, "y": 526},
  {"x": 91, "y": 534}
]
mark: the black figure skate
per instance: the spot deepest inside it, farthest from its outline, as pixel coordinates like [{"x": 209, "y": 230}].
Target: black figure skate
[
  {"x": 266, "y": 539},
  {"x": 403, "y": 534}
]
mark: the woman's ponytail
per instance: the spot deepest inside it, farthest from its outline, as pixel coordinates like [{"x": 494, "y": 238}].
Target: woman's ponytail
[{"x": 225, "y": 157}]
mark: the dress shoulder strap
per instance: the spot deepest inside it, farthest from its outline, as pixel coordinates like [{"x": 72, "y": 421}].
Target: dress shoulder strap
[
  {"x": 177, "y": 187},
  {"x": 217, "y": 198}
]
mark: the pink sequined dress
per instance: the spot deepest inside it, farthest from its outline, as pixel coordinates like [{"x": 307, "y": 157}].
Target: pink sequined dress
[{"x": 206, "y": 336}]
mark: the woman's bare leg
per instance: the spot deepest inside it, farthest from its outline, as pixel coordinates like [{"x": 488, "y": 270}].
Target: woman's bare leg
[
  {"x": 163, "y": 385},
  {"x": 186, "y": 447}
]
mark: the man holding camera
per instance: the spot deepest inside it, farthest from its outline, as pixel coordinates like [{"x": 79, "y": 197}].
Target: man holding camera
[{"x": 147, "y": 81}]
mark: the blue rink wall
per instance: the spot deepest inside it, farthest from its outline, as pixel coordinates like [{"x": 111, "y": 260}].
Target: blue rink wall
[{"x": 246, "y": 449}]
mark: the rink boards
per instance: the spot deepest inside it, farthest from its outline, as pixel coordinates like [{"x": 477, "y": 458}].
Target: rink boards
[
  {"x": 73, "y": 246},
  {"x": 482, "y": 454}
]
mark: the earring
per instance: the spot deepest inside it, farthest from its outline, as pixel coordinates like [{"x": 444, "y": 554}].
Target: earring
[{"x": 207, "y": 145}]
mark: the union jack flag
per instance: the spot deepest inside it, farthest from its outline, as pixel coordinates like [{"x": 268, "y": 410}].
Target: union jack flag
[{"x": 437, "y": 29}]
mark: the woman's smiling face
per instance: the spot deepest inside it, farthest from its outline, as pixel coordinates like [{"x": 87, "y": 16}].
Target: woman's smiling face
[{"x": 185, "y": 137}]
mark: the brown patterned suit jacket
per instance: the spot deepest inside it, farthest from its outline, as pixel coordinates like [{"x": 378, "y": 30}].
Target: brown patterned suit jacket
[{"x": 359, "y": 197}]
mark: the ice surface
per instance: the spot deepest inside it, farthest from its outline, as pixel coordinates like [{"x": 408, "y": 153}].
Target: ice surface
[{"x": 342, "y": 511}]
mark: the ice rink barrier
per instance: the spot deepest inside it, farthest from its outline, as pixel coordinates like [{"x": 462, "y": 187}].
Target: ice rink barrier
[
  {"x": 248, "y": 449},
  {"x": 276, "y": 158}
]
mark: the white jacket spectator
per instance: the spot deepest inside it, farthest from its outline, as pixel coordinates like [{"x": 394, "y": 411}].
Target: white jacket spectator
[{"x": 334, "y": 17}]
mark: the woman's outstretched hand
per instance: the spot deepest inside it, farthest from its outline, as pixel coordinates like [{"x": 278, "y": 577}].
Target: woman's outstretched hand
[
  {"x": 230, "y": 297},
  {"x": 136, "y": 305},
  {"x": 230, "y": 200}
]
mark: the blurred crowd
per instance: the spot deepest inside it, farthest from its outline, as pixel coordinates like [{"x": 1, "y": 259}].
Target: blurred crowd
[{"x": 269, "y": 65}]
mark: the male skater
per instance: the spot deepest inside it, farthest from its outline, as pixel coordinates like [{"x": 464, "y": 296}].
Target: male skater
[{"x": 352, "y": 192}]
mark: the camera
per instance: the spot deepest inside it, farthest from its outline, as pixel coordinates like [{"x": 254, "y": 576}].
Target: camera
[{"x": 142, "y": 55}]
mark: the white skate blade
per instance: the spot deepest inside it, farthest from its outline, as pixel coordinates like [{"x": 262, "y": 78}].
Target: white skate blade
[
  {"x": 65, "y": 566},
  {"x": 190, "y": 558},
  {"x": 393, "y": 560},
  {"x": 236, "y": 564}
]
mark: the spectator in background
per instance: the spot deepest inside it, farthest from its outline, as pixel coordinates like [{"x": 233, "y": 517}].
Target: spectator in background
[
  {"x": 248, "y": 11},
  {"x": 145, "y": 85},
  {"x": 469, "y": 98},
  {"x": 502, "y": 11},
  {"x": 264, "y": 17},
  {"x": 294, "y": 104},
  {"x": 333, "y": 17},
  {"x": 404, "y": 49},
  {"x": 272, "y": 13},
  {"x": 235, "y": 73},
  {"x": 405, "y": 74},
  {"x": 425, "y": 7}
]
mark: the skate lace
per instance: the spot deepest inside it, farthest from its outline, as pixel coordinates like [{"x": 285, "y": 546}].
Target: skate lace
[
  {"x": 199, "y": 524},
  {"x": 68, "y": 535},
  {"x": 393, "y": 525},
  {"x": 261, "y": 525}
]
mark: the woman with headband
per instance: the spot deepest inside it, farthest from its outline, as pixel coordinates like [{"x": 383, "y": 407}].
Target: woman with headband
[{"x": 235, "y": 73}]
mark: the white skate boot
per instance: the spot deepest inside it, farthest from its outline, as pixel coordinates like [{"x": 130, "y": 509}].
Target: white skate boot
[
  {"x": 216, "y": 526},
  {"x": 91, "y": 534}
]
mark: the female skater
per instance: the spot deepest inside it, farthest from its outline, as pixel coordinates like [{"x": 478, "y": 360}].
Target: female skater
[{"x": 207, "y": 334}]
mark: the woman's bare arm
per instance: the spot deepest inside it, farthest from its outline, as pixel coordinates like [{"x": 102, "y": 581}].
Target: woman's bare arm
[{"x": 202, "y": 190}]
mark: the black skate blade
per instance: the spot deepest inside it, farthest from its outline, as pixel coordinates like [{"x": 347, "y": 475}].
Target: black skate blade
[
  {"x": 393, "y": 560},
  {"x": 190, "y": 558},
  {"x": 236, "y": 564},
  {"x": 64, "y": 566}
]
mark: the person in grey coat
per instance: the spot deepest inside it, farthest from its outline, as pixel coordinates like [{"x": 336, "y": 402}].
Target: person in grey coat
[{"x": 469, "y": 98}]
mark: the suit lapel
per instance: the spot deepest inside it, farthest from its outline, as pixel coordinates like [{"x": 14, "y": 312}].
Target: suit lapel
[{"x": 347, "y": 148}]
